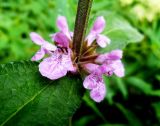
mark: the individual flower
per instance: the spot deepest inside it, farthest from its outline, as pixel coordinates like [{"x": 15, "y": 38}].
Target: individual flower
[
  {"x": 95, "y": 83},
  {"x": 59, "y": 61},
  {"x": 59, "y": 58},
  {"x": 112, "y": 60},
  {"x": 94, "y": 34}
]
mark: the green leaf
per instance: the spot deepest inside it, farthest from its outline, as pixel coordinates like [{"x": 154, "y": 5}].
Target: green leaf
[
  {"x": 110, "y": 91},
  {"x": 140, "y": 84},
  {"x": 26, "y": 98},
  {"x": 122, "y": 87},
  {"x": 131, "y": 117},
  {"x": 157, "y": 109},
  {"x": 119, "y": 31},
  {"x": 93, "y": 106}
]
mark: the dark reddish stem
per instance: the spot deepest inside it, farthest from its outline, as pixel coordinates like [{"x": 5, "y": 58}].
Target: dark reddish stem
[{"x": 83, "y": 11}]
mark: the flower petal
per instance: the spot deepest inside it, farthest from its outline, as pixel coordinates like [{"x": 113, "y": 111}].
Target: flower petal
[
  {"x": 106, "y": 69},
  {"x": 67, "y": 62},
  {"x": 49, "y": 46},
  {"x": 118, "y": 68},
  {"x": 92, "y": 81},
  {"x": 52, "y": 67},
  {"x": 61, "y": 40},
  {"x": 103, "y": 41},
  {"x": 71, "y": 34},
  {"x": 115, "y": 55},
  {"x": 39, "y": 55},
  {"x": 62, "y": 24},
  {"x": 90, "y": 38},
  {"x": 98, "y": 93},
  {"x": 99, "y": 25},
  {"x": 90, "y": 67},
  {"x": 101, "y": 58},
  {"x": 36, "y": 38}
]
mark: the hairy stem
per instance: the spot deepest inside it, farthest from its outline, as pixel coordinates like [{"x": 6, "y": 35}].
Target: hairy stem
[{"x": 84, "y": 7}]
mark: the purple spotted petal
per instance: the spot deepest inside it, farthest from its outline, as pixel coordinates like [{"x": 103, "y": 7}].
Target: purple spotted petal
[
  {"x": 61, "y": 40},
  {"x": 98, "y": 94},
  {"x": 99, "y": 25},
  {"x": 103, "y": 41},
  {"x": 39, "y": 55},
  {"x": 92, "y": 81},
  {"x": 118, "y": 68},
  {"x": 36, "y": 38},
  {"x": 52, "y": 67}
]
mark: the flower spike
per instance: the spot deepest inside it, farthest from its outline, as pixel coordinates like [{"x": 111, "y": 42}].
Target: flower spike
[{"x": 62, "y": 59}]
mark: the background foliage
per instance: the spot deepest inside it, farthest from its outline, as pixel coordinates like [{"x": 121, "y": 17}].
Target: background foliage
[{"x": 133, "y": 100}]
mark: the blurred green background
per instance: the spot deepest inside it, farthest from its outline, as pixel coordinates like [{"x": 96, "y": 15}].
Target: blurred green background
[{"x": 133, "y": 100}]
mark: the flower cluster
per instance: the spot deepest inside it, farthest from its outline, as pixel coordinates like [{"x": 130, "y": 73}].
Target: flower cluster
[{"x": 60, "y": 59}]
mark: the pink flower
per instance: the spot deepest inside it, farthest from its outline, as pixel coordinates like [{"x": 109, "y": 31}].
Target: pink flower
[
  {"x": 94, "y": 34},
  {"x": 59, "y": 62},
  {"x": 46, "y": 47},
  {"x": 56, "y": 66},
  {"x": 109, "y": 63}
]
